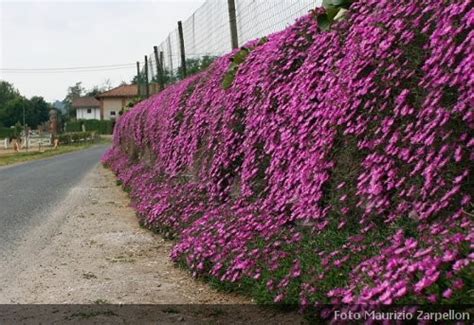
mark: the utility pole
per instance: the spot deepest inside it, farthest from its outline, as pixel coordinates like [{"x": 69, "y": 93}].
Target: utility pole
[
  {"x": 181, "y": 43},
  {"x": 138, "y": 79},
  {"x": 159, "y": 67},
  {"x": 147, "y": 88},
  {"x": 233, "y": 24}
]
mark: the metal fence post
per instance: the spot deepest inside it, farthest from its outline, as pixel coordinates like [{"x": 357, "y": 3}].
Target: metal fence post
[
  {"x": 181, "y": 44},
  {"x": 159, "y": 67},
  {"x": 147, "y": 88},
  {"x": 138, "y": 79},
  {"x": 233, "y": 24}
]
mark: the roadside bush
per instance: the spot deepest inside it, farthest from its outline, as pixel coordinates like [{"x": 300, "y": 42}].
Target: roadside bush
[
  {"x": 99, "y": 126},
  {"x": 6, "y": 133},
  {"x": 77, "y": 137},
  {"x": 73, "y": 126},
  {"x": 336, "y": 167}
]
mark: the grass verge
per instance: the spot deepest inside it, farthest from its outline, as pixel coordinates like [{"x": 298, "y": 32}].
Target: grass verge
[{"x": 13, "y": 158}]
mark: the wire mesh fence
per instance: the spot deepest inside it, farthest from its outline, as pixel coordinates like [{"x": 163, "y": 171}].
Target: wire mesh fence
[{"x": 206, "y": 32}]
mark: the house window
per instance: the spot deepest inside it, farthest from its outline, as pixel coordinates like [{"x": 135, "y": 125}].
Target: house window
[
  {"x": 89, "y": 110},
  {"x": 112, "y": 113}
]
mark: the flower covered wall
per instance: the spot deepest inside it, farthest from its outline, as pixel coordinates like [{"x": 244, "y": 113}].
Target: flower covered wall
[{"x": 335, "y": 167}]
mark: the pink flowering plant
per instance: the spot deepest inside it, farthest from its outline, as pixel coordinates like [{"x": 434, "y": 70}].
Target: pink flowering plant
[{"x": 332, "y": 167}]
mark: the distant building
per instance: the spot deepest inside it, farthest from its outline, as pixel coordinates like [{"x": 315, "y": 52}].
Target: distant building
[
  {"x": 115, "y": 100},
  {"x": 87, "y": 108}
]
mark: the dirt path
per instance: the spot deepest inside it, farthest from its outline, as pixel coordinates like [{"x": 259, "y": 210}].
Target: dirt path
[{"x": 92, "y": 251}]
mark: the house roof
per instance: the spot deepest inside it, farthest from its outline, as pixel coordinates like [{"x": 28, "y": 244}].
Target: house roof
[
  {"x": 120, "y": 91},
  {"x": 85, "y": 102}
]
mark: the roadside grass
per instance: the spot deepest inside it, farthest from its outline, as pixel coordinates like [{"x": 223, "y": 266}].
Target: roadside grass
[{"x": 12, "y": 158}]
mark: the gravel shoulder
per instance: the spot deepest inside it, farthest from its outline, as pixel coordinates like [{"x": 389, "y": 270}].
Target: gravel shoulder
[{"x": 91, "y": 250}]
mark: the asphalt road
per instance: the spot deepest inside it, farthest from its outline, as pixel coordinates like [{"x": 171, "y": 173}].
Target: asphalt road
[{"x": 29, "y": 191}]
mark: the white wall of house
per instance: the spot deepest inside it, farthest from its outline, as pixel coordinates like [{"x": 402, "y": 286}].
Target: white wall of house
[{"x": 92, "y": 113}]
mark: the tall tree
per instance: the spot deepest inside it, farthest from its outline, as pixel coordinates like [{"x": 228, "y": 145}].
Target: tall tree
[
  {"x": 40, "y": 111},
  {"x": 13, "y": 105},
  {"x": 94, "y": 91},
  {"x": 7, "y": 92},
  {"x": 35, "y": 111},
  {"x": 73, "y": 92}
]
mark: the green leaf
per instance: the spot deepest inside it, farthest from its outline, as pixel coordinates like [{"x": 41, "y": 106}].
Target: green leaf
[
  {"x": 341, "y": 14},
  {"x": 263, "y": 40},
  {"x": 240, "y": 56},
  {"x": 228, "y": 79},
  {"x": 323, "y": 22},
  {"x": 331, "y": 13}
]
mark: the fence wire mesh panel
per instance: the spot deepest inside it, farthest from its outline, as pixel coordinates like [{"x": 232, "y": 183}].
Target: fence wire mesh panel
[
  {"x": 207, "y": 31},
  {"x": 257, "y": 18}
]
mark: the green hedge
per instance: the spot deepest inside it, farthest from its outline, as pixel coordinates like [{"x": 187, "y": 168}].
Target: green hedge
[
  {"x": 73, "y": 126},
  {"x": 6, "y": 132},
  {"x": 101, "y": 127},
  {"x": 77, "y": 137}
]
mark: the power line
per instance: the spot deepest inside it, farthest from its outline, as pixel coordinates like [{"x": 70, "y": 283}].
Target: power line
[
  {"x": 112, "y": 66},
  {"x": 62, "y": 71}
]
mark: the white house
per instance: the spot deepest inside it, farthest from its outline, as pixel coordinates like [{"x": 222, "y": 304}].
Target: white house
[{"x": 87, "y": 108}]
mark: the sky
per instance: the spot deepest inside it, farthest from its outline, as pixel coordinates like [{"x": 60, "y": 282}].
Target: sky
[{"x": 65, "y": 34}]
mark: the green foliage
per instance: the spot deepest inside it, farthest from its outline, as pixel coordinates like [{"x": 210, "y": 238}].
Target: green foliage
[
  {"x": 195, "y": 65},
  {"x": 168, "y": 78},
  {"x": 77, "y": 137},
  {"x": 94, "y": 91},
  {"x": 238, "y": 59},
  {"x": 7, "y": 93},
  {"x": 132, "y": 103},
  {"x": 337, "y": 3},
  {"x": 73, "y": 126},
  {"x": 335, "y": 10},
  {"x": 12, "y": 106},
  {"x": 6, "y": 133},
  {"x": 73, "y": 92},
  {"x": 101, "y": 127},
  {"x": 17, "y": 129}
]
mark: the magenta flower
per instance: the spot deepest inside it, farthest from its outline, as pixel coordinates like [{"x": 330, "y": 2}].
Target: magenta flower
[
  {"x": 448, "y": 293},
  {"x": 344, "y": 151}
]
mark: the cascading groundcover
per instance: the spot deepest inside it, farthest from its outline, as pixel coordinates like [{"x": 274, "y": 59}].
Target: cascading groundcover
[{"x": 335, "y": 168}]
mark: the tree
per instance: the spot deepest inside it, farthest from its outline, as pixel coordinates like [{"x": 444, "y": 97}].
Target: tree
[
  {"x": 39, "y": 111},
  {"x": 12, "y": 105},
  {"x": 73, "y": 92},
  {"x": 194, "y": 66},
  {"x": 36, "y": 111},
  {"x": 107, "y": 84},
  {"x": 7, "y": 92},
  {"x": 94, "y": 91}
]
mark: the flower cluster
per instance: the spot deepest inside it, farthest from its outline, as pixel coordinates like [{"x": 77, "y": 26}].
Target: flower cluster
[{"x": 336, "y": 168}]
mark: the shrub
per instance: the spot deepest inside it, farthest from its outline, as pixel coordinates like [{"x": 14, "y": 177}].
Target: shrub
[
  {"x": 77, "y": 137},
  {"x": 6, "y": 133},
  {"x": 99, "y": 126},
  {"x": 334, "y": 167}
]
